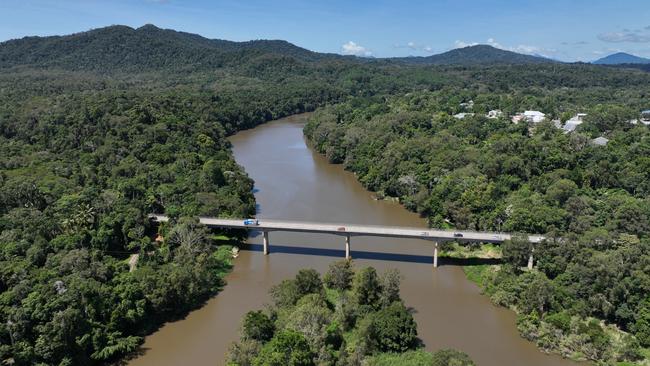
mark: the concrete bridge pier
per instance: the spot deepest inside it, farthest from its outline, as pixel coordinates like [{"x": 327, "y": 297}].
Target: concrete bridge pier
[
  {"x": 435, "y": 254},
  {"x": 530, "y": 259},
  {"x": 266, "y": 242},
  {"x": 347, "y": 247}
]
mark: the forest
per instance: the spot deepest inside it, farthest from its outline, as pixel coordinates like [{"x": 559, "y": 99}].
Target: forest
[
  {"x": 345, "y": 318},
  {"x": 588, "y": 296},
  {"x": 99, "y": 129}
]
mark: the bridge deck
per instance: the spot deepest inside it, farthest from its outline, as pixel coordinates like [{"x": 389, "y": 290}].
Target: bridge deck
[{"x": 358, "y": 230}]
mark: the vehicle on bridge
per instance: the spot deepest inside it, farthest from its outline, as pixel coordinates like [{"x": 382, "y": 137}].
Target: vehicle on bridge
[{"x": 251, "y": 222}]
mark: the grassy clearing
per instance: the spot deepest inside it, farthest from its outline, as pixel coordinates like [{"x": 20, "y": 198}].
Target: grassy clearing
[{"x": 456, "y": 250}]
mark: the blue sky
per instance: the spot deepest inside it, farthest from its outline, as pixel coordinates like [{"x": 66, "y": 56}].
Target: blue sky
[{"x": 568, "y": 30}]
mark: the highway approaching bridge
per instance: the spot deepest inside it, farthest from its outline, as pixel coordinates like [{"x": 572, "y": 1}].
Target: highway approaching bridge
[{"x": 350, "y": 230}]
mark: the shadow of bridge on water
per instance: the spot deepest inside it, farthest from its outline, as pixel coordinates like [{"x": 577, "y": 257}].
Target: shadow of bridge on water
[{"x": 378, "y": 256}]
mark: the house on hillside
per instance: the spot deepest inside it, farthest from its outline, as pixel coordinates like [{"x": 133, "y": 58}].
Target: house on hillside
[
  {"x": 600, "y": 141},
  {"x": 534, "y": 116},
  {"x": 574, "y": 122},
  {"x": 463, "y": 115},
  {"x": 529, "y": 116},
  {"x": 645, "y": 115},
  {"x": 467, "y": 105},
  {"x": 494, "y": 114}
]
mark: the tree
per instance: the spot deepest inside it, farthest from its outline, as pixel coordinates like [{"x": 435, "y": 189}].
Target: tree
[
  {"x": 339, "y": 275},
  {"x": 258, "y": 326},
  {"x": 451, "y": 357},
  {"x": 308, "y": 282},
  {"x": 516, "y": 251},
  {"x": 366, "y": 287},
  {"x": 286, "y": 348},
  {"x": 390, "y": 281},
  {"x": 642, "y": 324},
  {"x": 285, "y": 293},
  {"x": 393, "y": 329},
  {"x": 538, "y": 295}
]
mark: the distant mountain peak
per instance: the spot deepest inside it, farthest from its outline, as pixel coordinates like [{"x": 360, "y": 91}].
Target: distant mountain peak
[
  {"x": 481, "y": 54},
  {"x": 621, "y": 58}
]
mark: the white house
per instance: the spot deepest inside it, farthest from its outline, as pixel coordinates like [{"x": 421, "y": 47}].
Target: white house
[
  {"x": 517, "y": 118},
  {"x": 495, "y": 113},
  {"x": 534, "y": 116},
  {"x": 574, "y": 122},
  {"x": 600, "y": 141},
  {"x": 467, "y": 105},
  {"x": 463, "y": 115}
]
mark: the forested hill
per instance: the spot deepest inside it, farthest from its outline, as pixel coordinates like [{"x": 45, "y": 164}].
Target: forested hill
[
  {"x": 121, "y": 48},
  {"x": 124, "y": 49},
  {"x": 476, "y": 55}
]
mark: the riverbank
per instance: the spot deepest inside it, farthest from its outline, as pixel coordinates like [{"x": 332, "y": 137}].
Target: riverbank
[{"x": 579, "y": 339}]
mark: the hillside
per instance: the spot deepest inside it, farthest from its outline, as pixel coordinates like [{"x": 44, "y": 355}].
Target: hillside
[
  {"x": 149, "y": 47},
  {"x": 621, "y": 58},
  {"x": 476, "y": 55}
]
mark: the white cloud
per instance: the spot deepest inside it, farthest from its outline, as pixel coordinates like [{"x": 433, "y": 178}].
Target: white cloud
[
  {"x": 414, "y": 46},
  {"x": 461, "y": 44},
  {"x": 351, "y": 48},
  {"x": 625, "y": 36}
]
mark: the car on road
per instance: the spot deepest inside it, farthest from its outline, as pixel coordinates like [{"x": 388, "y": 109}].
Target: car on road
[
  {"x": 458, "y": 235},
  {"x": 250, "y": 222},
  {"x": 340, "y": 228}
]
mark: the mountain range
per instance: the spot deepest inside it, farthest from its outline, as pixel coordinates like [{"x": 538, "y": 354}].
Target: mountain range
[{"x": 122, "y": 48}]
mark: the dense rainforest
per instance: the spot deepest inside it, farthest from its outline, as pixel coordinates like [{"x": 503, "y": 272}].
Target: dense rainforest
[
  {"x": 101, "y": 128},
  {"x": 345, "y": 318},
  {"x": 592, "y": 274}
]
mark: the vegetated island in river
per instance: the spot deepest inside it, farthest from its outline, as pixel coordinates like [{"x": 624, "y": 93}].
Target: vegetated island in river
[{"x": 347, "y": 318}]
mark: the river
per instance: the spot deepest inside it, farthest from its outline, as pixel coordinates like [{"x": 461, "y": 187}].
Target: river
[{"x": 292, "y": 182}]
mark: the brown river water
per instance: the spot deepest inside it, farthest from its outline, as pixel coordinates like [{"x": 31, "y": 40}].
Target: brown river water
[{"x": 292, "y": 182}]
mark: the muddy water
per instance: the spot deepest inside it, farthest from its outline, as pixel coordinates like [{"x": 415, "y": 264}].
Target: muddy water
[{"x": 294, "y": 183}]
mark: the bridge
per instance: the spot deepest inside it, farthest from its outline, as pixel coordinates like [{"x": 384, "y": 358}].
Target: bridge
[{"x": 350, "y": 230}]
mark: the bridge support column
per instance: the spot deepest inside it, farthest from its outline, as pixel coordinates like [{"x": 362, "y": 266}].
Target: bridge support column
[
  {"x": 347, "y": 247},
  {"x": 435, "y": 254},
  {"x": 266, "y": 242}
]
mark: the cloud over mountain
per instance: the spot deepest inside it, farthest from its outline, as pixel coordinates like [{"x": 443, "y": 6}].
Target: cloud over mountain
[{"x": 351, "y": 48}]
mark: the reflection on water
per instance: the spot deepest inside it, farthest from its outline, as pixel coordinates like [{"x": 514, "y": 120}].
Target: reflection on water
[{"x": 294, "y": 183}]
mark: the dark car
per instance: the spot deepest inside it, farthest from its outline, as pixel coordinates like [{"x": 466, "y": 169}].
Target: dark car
[{"x": 458, "y": 235}]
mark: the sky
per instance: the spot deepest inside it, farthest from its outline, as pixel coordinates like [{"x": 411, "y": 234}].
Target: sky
[{"x": 567, "y": 30}]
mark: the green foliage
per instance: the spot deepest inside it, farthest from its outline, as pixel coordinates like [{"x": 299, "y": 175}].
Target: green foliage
[
  {"x": 642, "y": 324},
  {"x": 257, "y": 326},
  {"x": 366, "y": 287},
  {"x": 392, "y": 329},
  {"x": 450, "y": 357},
  {"x": 445, "y": 357},
  {"x": 339, "y": 275},
  {"x": 308, "y": 282},
  {"x": 286, "y": 348}
]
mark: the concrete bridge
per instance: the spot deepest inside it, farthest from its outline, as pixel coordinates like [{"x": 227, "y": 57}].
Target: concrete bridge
[{"x": 350, "y": 230}]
